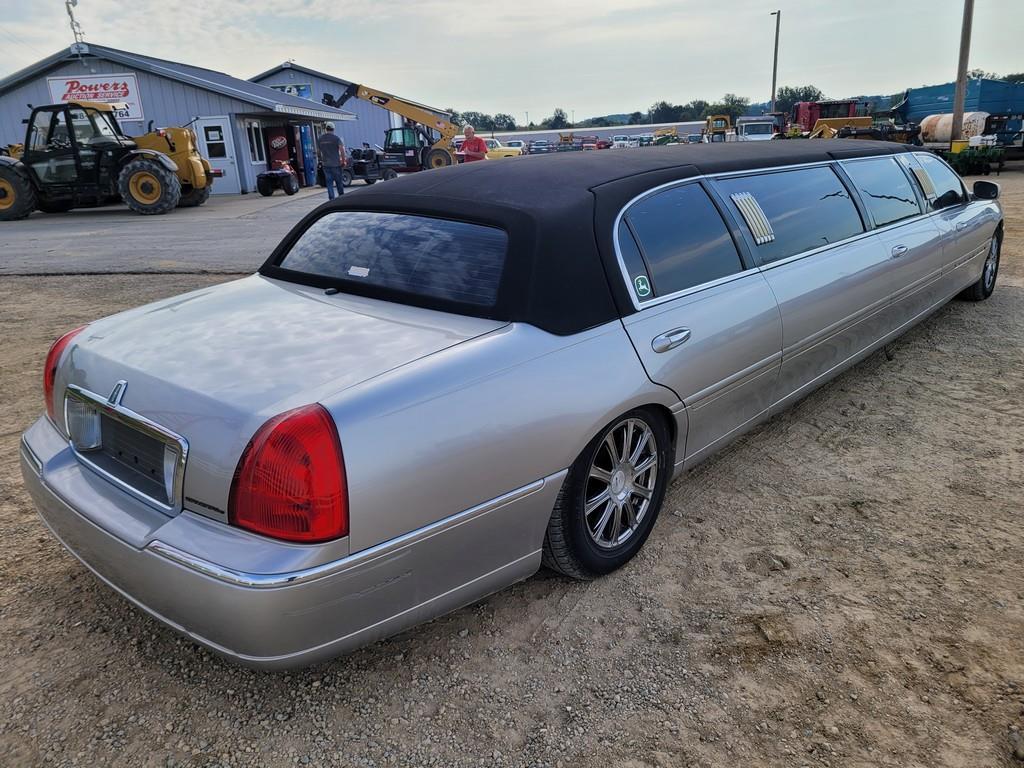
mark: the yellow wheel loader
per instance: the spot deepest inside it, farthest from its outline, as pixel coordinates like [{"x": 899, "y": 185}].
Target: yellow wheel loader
[{"x": 76, "y": 155}]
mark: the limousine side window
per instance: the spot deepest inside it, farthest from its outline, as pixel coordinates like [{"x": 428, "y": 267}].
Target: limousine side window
[
  {"x": 683, "y": 239},
  {"x": 884, "y": 188},
  {"x": 948, "y": 189},
  {"x": 805, "y": 208}
]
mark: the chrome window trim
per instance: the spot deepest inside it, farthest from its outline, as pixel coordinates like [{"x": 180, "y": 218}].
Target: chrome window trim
[
  {"x": 639, "y": 306},
  {"x": 384, "y": 549},
  {"x": 914, "y": 185},
  {"x": 146, "y": 426}
]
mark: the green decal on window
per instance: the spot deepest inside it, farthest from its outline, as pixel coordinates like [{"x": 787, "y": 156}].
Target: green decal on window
[{"x": 643, "y": 286}]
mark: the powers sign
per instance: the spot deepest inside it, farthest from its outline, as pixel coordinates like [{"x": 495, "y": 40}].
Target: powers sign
[{"x": 116, "y": 89}]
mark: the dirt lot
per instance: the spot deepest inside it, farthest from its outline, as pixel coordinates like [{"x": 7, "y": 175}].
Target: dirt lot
[{"x": 844, "y": 587}]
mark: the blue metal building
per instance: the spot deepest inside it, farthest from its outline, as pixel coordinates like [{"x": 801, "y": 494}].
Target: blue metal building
[
  {"x": 371, "y": 121},
  {"x": 997, "y": 97},
  {"x": 231, "y": 117}
]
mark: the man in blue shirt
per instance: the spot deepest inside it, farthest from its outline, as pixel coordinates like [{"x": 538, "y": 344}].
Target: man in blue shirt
[{"x": 332, "y": 159}]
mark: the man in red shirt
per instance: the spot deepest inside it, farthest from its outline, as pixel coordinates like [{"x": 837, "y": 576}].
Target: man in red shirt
[{"x": 473, "y": 148}]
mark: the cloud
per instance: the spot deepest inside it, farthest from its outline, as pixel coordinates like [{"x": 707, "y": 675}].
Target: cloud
[{"x": 535, "y": 55}]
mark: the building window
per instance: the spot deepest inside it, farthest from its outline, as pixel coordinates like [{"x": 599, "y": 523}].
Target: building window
[{"x": 257, "y": 153}]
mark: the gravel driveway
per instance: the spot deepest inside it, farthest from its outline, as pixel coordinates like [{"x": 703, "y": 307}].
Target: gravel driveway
[{"x": 843, "y": 587}]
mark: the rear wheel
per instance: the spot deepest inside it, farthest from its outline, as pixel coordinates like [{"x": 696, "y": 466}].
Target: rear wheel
[
  {"x": 265, "y": 186},
  {"x": 389, "y": 174},
  {"x": 17, "y": 197},
  {"x": 436, "y": 158},
  {"x": 610, "y": 498},
  {"x": 290, "y": 185},
  {"x": 149, "y": 188},
  {"x": 194, "y": 197},
  {"x": 346, "y": 177},
  {"x": 982, "y": 289}
]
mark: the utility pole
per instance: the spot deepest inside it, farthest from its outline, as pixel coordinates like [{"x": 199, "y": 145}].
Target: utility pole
[
  {"x": 775, "y": 60},
  {"x": 960, "y": 95},
  {"x": 573, "y": 125},
  {"x": 527, "y": 118}
]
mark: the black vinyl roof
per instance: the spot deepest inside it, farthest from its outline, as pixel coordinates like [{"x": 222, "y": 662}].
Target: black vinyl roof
[{"x": 559, "y": 211}]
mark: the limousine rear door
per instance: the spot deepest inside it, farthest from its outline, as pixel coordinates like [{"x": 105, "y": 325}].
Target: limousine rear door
[
  {"x": 832, "y": 280},
  {"x": 708, "y": 326}
]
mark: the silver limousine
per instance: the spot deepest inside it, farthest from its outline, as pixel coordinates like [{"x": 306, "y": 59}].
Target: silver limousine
[{"x": 435, "y": 386}]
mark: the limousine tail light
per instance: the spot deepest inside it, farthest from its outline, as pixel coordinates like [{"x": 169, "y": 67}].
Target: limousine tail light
[
  {"x": 50, "y": 369},
  {"x": 290, "y": 482}
]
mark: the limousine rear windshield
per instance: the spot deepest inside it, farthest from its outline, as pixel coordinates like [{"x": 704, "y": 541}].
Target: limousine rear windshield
[{"x": 439, "y": 260}]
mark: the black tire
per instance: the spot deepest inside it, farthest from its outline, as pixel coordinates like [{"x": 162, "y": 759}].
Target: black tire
[
  {"x": 982, "y": 289},
  {"x": 569, "y": 545},
  {"x": 371, "y": 181},
  {"x": 265, "y": 186},
  {"x": 389, "y": 174},
  {"x": 17, "y": 196},
  {"x": 55, "y": 206},
  {"x": 194, "y": 197},
  {"x": 290, "y": 186},
  {"x": 149, "y": 188},
  {"x": 436, "y": 158},
  {"x": 346, "y": 177}
]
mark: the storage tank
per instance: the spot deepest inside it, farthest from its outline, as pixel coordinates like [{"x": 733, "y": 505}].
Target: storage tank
[{"x": 938, "y": 129}]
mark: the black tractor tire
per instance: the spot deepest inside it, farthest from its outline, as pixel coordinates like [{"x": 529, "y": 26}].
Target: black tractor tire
[
  {"x": 17, "y": 195},
  {"x": 194, "y": 197},
  {"x": 265, "y": 187},
  {"x": 982, "y": 289},
  {"x": 389, "y": 174},
  {"x": 147, "y": 187},
  {"x": 57, "y": 206},
  {"x": 290, "y": 185},
  {"x": 436, "y": 158},
  {"x": 568, "y": 545},
  {"x": 346, "y": 177}
]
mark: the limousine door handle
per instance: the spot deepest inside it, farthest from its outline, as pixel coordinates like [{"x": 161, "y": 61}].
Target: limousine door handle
[
  {"x": 961, "y": 226},
  {"x": 670, "y": 339},
  {"x": 898, "y": 250}
]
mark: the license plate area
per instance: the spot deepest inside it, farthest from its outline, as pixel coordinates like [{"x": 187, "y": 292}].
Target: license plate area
[{"x": 136, "y": 454}]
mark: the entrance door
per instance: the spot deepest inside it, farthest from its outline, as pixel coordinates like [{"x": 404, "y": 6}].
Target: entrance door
[{"x": 217, "y": 145}]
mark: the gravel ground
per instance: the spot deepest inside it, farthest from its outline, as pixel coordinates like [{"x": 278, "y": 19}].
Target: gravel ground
[{"x": 843, "y": 587}]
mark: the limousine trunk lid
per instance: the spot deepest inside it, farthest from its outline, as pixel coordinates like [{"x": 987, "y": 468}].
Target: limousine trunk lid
[{"x": 213, "y": 365}]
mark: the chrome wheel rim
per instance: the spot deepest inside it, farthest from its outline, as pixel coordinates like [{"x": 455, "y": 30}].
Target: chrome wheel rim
[
  {"x": 620, "y": 484},
  {"x": 991, "y": 264}
]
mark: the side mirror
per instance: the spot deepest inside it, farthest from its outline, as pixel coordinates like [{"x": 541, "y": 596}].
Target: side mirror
[
  {"x": 947, "y": 198},
  {"x": 986, "y": 190}
]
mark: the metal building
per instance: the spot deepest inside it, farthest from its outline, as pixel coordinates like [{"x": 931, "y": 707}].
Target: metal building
[
  {"x": 371, "y": 121},
  {"x": 242, "y": 126}
]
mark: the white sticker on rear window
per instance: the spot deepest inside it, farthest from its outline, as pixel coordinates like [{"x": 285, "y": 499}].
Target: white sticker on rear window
[{"x": 359, "y": 271}]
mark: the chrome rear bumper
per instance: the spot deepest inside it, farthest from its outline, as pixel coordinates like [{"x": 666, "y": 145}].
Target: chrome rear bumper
[{"x": 288, "y": 618}]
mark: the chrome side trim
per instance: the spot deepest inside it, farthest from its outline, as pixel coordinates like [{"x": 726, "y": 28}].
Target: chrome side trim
[
  {"x": 135, "y": 421},
  {"x": 709, "y": 394},
  {"x": 752, "y": 213},
  {"x": 30, "y": 455},
  {"x": 291, "y": 578}
]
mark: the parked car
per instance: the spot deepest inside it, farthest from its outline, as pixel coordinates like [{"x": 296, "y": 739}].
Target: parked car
[
  {"x": 620, "y": 142},
  {"x": 694, "y": 138},
  {"x": 496, "y": 151},
  {"x": 396, "y": 416},
  {"x": 540, "y": 147},
  {"x": 517, "y": 144}
]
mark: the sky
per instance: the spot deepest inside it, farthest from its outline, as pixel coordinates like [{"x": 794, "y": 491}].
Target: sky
[{"x": 531, "y": 56}]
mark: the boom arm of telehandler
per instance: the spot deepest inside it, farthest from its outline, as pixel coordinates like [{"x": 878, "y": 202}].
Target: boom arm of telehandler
[{"x": 407, "y": 109}]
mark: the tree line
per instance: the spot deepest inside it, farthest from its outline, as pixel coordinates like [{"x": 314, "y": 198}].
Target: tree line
[{"x": 666, "y": 112}]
